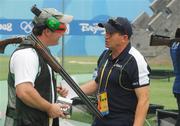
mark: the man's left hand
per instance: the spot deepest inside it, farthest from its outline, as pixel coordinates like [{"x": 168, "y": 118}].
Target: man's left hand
[{"x": 62, "y": 91}]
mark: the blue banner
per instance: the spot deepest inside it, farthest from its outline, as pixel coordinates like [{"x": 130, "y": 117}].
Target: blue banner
[{"x": 24, "y": 27}]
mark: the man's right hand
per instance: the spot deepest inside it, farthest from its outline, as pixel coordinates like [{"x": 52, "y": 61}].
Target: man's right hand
[{"x": 55, "y": 110}]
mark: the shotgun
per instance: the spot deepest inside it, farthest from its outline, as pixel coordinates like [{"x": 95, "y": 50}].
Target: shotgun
[
  {"x": 4, "y": 43},
  {"x": 159, "y": 40},
  {"x": 51, "y": 61}
]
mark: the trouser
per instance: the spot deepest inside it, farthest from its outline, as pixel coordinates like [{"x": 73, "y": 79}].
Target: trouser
[
  {"x": 113, "y": 122},
  {"x": 177, "y": 96},
  {"x": 27, "y": 122}
]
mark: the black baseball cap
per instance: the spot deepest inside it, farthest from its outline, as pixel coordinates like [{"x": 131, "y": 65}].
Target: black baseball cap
[{"x": 120, "y": 24}]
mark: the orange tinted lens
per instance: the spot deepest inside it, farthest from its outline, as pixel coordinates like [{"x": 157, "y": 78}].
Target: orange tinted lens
[
  {"x": 62, "y": 28},
  {"x": 59, "y": 31}
]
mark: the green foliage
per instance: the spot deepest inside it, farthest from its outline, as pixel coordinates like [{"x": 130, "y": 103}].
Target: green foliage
[
  {"x": 82, "y": 117},
  {"x": 161, "y": 93},
  {"x": 4, "y": 61}
]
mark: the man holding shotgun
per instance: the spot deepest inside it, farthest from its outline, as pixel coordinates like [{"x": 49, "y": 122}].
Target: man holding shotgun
[
  {"x": 31, "y": 82},
  {"x": 175, "y": 56},
  {"x": 174, "y": 45}
]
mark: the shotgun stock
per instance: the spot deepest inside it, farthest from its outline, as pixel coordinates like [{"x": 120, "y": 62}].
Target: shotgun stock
[
  {"x": 158, "y": 40},
  {"x": 4, "y": 43}
]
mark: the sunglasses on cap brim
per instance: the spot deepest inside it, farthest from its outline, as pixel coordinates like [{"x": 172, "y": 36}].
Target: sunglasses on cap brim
[{"x": 117, "y": 26}]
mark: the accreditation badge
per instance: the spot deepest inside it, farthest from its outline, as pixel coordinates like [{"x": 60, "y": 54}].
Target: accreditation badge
[{"x": 103, "y": 103}]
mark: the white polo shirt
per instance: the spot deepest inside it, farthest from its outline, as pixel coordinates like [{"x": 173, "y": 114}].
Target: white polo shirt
[{"x": 24, "y": 64}]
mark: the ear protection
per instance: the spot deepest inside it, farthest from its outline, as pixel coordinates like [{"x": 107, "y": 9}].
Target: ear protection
[{"x": 52, "y": 22}]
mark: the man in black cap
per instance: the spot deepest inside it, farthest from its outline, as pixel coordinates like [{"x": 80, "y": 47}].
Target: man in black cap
[
  {"x": 175, "y": 54},
  {"x": 122, "y": 82}
]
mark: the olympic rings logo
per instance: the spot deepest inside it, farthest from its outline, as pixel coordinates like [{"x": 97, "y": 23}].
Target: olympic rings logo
[{"x": 26, "y": 26}]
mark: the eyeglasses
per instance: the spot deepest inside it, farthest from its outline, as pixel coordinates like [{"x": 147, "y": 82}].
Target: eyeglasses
[
  {"x": 62, "y": 28},
  {"x": 117, "y": 26}
]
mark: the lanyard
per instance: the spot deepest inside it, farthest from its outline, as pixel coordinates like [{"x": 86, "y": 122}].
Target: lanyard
[{"x": 109, "y": 73}]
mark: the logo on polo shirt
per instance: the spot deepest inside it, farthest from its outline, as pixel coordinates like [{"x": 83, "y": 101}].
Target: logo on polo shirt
[
  {"x": 135, "y": 83},
  {"x": 118, "y": 65}
]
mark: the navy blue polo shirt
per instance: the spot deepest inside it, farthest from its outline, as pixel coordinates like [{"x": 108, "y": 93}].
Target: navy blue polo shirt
[
  {"x": 129, "y": 71},
  {"x": 175, "y": 54}
]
